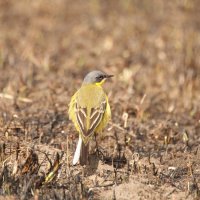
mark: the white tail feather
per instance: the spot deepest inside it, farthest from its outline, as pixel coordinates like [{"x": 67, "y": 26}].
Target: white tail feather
[{"x": 78, "y": 151}]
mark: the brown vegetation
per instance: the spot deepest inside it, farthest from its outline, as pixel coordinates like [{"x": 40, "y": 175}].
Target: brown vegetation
[{"x": 150, "y": 149}]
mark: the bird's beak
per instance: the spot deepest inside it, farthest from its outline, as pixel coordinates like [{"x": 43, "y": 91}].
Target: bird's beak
[{"x": 109, "y": 76}]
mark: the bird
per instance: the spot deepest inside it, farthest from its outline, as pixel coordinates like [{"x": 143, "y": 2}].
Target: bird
[{"x": 89, "y": 110}]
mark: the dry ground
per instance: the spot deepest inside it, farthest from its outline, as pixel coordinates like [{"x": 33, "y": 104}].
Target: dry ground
[{"x": 150, "y": 149}]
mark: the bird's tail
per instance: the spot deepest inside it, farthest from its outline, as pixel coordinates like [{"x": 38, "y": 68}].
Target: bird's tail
[
  {"x": 78, "y": 151},
  {"x": 81, "y": 153},
  {"x": 84, "y": 154}
]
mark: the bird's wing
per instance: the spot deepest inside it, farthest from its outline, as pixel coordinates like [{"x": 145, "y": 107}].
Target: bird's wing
[{"x": 95, "y": 118}]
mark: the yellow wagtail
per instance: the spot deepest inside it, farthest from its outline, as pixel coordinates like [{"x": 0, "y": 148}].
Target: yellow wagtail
[{"x": 90, "y": 112}]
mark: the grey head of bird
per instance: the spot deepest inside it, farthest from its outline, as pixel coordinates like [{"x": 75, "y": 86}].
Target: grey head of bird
[{"x": 96, "y": 77}]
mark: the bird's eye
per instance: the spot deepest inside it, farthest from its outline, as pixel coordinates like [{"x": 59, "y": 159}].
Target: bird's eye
[{"x": 100, "y": 78}]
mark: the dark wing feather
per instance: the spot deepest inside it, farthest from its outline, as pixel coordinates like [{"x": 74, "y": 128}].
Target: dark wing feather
[
  {"x": 96, "y": 115},
  {"x": 81, "y": 116}
]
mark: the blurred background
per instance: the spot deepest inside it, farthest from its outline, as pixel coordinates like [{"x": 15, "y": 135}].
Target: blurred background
[{"x": 152, "y": 48}]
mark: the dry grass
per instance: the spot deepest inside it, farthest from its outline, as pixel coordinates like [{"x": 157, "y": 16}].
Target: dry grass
[{"x": 150, "y": 150}]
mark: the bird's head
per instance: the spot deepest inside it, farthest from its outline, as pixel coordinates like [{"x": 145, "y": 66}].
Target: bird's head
[{"x": 96, "y": 77}]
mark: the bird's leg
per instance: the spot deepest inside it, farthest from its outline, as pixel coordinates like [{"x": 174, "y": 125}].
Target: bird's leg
[{"x": 97, "y": 150}]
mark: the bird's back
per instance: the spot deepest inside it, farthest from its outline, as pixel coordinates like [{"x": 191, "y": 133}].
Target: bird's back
[
  {"x": 87, "y": 109},
  {"x": 90, "y": 96}
]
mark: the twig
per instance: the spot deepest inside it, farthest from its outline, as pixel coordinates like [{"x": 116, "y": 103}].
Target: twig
[
  {"x": 26, "y": 187},
  {"x": 8, "y": 96},
  {"x": 102, "y": 186},
  {"x": 118, "y": 126}
]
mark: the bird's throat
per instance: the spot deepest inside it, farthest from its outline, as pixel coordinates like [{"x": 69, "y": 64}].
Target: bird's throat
[{"x": 100, "y": 83}]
